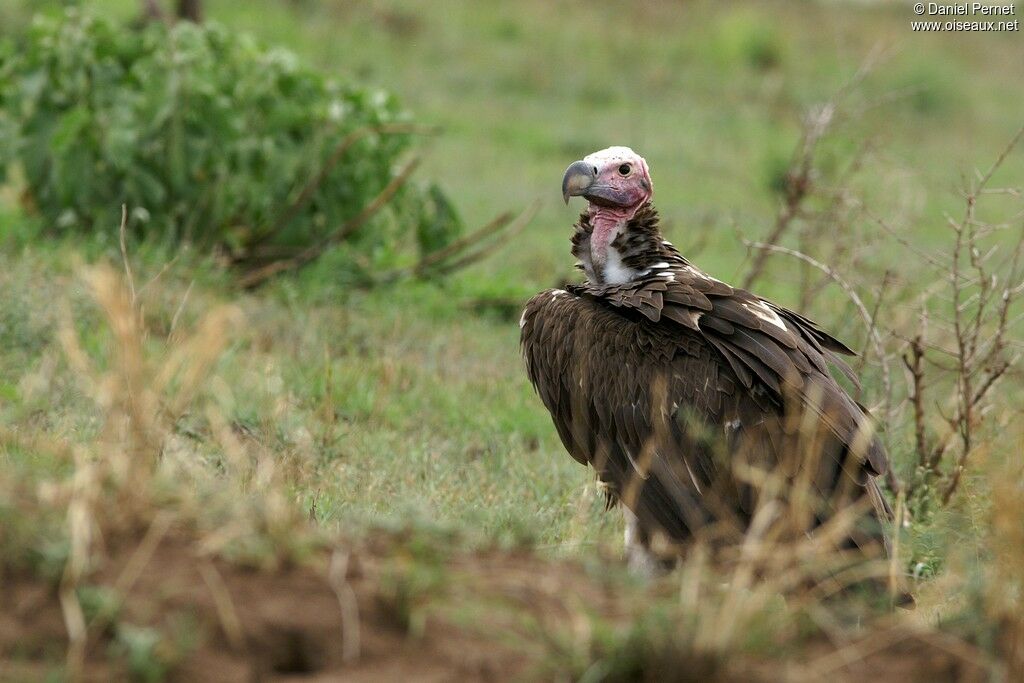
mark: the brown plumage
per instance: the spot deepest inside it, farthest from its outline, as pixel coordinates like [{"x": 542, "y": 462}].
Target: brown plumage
[{"x": 661, "y": 377}]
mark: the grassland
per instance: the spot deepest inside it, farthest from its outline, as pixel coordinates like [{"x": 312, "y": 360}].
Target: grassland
[{"x": 407, "y": 407}]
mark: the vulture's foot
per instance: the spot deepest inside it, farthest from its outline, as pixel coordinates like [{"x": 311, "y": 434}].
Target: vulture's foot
[{"x": 641, "y": 558}]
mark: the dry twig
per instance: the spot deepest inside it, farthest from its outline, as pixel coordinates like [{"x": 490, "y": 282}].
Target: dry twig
[
  {"x": 869, "y": 320},
  {"x": 261, "y": 275},
  {"x": 981, "y": 294},
  {"x": 800, "y": 179},
  {"x": 311, "y": 187}
]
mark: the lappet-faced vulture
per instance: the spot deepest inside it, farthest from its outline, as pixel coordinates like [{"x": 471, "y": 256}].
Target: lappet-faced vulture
[{"x": 678, "y": 388}]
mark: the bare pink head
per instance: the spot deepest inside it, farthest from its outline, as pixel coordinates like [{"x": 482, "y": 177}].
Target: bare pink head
[
  {"x": 616, "y": 179},
  {"x": 616, "y": 182}
]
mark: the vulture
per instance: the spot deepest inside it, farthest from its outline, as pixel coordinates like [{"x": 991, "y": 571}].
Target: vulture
[{"x": 678, "y": 389}]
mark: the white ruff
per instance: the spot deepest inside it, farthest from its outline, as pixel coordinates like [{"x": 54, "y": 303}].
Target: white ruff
[{"x": 615, "y": 272}]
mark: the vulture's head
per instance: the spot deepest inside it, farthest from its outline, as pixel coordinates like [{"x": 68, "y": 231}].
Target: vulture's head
[{"x": 615, "y": 179}]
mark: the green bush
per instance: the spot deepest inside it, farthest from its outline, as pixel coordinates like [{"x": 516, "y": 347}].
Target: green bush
[{"x": 205, "y": 136}]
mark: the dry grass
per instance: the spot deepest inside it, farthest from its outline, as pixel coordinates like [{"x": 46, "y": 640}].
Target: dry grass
[
  {"x": 772, "y": 605},
  {"x": 759, "y": 600},
  {"x": 190, "y": 459}
]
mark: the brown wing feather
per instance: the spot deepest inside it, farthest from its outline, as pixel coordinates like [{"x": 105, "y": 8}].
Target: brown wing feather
[
  {"x": 612, "y": 403},
  {"x": 643, "y": 378},
  {"x": 547, "y": 348},
  {"x": 720, "y": 353},
  {"x": 758, "y": 340}
]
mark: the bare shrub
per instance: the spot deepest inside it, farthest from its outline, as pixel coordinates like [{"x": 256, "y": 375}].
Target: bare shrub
[
  {"x": 963, "y": 344},
  {"x": 956, "y": 348},
  {"x": 816, "y": 205}
]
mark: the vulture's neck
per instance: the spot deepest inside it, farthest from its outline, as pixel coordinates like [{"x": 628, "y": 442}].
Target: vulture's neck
[{"x": 613, "y": 249}]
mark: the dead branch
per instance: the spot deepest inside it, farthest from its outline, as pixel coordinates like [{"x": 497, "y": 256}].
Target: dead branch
[
  {"x": 872, "y": 329},
  {"x": 151, "y": 11},
  {"x": 800, "y": 175},
  {"x": 981, "y": 293},
  {"x": 444, "y": 260},
  {"x": 190, "y": 10},
  {"x": 436, "y": 257},
  {"x": 262, "y": 274},
  {"x": 185, "y": 10},
  {"x": 798, "y": 184},
  {"x": 311, "y": 187},
  {"x": 503, "y": 237},
  {"x": 913, "y": 361}
]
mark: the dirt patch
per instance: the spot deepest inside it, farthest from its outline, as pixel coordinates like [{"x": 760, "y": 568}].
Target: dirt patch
[
  {"x": 363, "y": 617},
  {"x": 241, "y": 624}
]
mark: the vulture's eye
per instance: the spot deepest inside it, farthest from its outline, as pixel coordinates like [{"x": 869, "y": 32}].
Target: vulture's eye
[{"x": 624, "y": 169}]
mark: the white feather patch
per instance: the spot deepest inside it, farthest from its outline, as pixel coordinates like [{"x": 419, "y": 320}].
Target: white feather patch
[
  {"x": 636, "y": 467},
  {"x": 765, "y": 313},
  {"x": 615, "y": 272},
  {"x": 692, "y": 477}
]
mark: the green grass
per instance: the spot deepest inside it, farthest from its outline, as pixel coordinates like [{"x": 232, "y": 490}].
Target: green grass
[
  {"x": 431, "y": 411},
  {"x": 410, "y": 402}
]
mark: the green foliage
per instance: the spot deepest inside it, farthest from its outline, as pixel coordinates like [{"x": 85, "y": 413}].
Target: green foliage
[
  {"x": 140, "y": 648},
  {"x": 204, "y": 135},
  {"x": 98, "y": 602},
  {"x": 439, "y": 222}
]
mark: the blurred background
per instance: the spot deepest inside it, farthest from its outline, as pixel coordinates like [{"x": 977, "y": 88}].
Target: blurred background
[
  {"x": 327, "y": 215},
  {"x": 252, "y": 152},
  {"x": 712, "y": 94}
]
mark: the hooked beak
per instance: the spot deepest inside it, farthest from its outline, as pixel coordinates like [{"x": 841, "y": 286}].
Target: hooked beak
[
  {"x": 577, "y": 180},
  {"x": 580, "y": 180}
]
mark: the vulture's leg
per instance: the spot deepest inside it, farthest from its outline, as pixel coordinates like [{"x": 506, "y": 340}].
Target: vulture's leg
[{"x": 640, "y": 557}]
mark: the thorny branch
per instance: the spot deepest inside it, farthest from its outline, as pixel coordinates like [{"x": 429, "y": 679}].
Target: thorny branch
[
  {"x": 961, "y": 346},
  {"x": 453, "y": 256},
  {"x": 870, "y": 322},
  {"x": 800, "y": 178},
  {"x": 981, "y": 293},
  {"x": 798, "y": 185}
]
